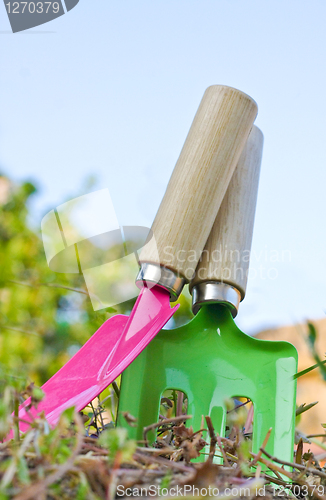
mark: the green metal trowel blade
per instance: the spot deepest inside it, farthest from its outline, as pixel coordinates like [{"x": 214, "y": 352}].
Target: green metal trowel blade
[{"x": 210, "y": 360}]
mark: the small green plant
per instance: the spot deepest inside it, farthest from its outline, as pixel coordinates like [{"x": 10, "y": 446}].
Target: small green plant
[{"x": 120, "y": 448}]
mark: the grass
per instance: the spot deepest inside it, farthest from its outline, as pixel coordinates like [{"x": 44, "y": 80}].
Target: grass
[{"x": 86, "y": 457}]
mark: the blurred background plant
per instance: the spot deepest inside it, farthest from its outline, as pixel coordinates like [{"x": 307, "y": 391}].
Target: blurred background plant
[{"x": 42, "y": 323}]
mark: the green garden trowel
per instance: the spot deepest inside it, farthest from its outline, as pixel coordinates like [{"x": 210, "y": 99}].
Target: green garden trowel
[{"x": 210, "y": 359}]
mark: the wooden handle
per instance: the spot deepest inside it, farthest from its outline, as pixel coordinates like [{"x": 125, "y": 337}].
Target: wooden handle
[
  {"x": 226, "y": 255},
  {"x": 199, "y": 180}
]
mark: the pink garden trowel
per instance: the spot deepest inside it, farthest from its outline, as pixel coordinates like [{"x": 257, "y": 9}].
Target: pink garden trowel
[{"x": 168, "y": 260}]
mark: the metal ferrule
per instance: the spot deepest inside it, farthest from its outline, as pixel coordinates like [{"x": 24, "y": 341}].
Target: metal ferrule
[
  {"x": 215, "y": 292},
  {"x": 154, "y": 274}
]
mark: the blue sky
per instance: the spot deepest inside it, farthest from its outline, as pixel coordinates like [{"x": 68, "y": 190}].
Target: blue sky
[{"x": 110, "y": 89}]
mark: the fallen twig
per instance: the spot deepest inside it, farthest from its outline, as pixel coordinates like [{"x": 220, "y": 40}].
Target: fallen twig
[
  {"x": 255, "y": 460},
  {"x": 170, "y": 464},
  {"x": 308, "y": 470},
  {"x": 213, "y": 439},
  {"x": 221, "y": 447},
  {"x": 151, "y": 427}
]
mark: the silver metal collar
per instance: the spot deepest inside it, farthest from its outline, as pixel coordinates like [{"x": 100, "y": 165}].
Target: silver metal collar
[
  {"x": 215, "y": 292},
  {"x": 154, "y": 274}
]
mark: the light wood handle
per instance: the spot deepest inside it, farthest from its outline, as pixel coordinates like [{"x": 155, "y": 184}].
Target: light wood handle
[
  {"x": 225, "y": 257},
  {"x": 199, "y": 180}
]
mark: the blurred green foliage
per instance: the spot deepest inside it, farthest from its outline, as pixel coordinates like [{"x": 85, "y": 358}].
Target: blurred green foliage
[
  {"x": 42, "y": 324},
  {"x": 312, "y": 337}
]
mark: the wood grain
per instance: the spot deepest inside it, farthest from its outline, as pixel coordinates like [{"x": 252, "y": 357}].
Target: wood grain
[
  {"x": 227, "y": 251},
  {"x": 200, "y": 178}
]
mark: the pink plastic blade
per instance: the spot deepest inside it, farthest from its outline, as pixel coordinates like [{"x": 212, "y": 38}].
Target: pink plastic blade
[
  {"x": 150, "y": 313},
  {"x": 104, "y": 356},
  {"x": 77, "y": 382}
]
